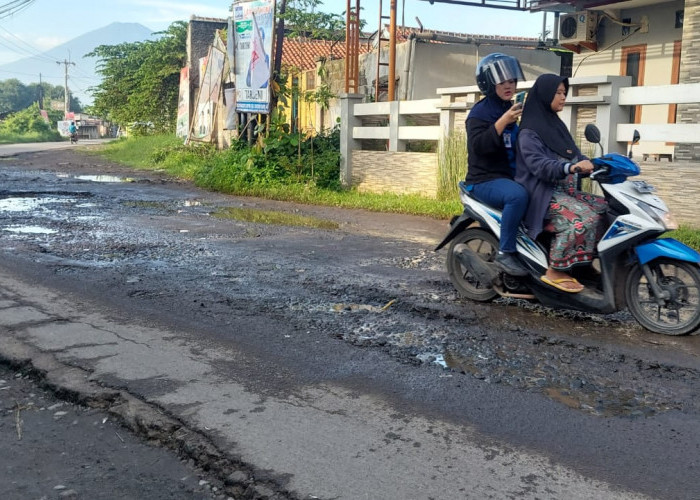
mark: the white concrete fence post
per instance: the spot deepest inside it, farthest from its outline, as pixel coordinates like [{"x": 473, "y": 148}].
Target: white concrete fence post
[{"x": 348, "y": 122}]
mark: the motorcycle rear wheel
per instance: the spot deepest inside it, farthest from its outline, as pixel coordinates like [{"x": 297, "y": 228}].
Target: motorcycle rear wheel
[
  {"x": 680, "y": 313},
  {"x": 467, "y": 284}
]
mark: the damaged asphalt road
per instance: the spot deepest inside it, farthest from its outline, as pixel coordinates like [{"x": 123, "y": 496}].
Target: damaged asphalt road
[{"x": 327, "y": 356}]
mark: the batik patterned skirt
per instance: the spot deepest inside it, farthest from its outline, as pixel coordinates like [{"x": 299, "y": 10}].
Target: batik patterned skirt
[{"x": 577, "y": 220}]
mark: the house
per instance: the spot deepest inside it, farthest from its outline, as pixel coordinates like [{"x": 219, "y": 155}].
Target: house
[
  {"x": 652, "y": 42},
  {"x": 305, "y": 61},
  {"x": 430, "y": 59},
  {"x": 642, "y": 40}
]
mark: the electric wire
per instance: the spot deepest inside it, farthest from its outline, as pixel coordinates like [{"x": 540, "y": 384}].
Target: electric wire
[
  {"x": 14, "y": 7},
  {"x": 33, "y": 52}
]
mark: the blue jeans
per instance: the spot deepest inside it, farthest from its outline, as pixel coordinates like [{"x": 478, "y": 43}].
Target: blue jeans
[{"x": 509, "y": 197}]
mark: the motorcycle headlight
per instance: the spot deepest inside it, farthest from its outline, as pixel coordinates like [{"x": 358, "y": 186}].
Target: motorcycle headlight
[
  {"x": 664, "y": 219},
  {"x": 670, "y": 221}
]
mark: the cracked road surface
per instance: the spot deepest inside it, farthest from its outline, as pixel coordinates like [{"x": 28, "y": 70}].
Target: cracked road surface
[{"x": 329, "y": 359}]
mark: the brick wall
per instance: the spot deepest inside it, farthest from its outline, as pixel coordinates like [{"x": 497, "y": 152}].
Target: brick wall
[
  {"x": 395, "y": 172},
  {"x": 416, "y": 173},
  {"x": 678, "y": 184},
  {"x": 689, "y": 73}
]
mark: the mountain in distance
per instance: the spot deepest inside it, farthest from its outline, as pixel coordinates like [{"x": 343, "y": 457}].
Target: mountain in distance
[{"x": 82, "y": 75}]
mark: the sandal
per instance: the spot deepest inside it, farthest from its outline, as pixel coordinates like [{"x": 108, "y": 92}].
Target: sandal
[{"x": 557, "y": 283}]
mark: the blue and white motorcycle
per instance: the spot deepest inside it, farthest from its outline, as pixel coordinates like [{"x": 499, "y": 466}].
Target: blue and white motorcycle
[{"x": 656, "y": 279}]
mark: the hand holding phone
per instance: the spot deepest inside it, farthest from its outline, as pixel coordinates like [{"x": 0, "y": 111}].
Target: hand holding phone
[{"x": 520, "y": 98}]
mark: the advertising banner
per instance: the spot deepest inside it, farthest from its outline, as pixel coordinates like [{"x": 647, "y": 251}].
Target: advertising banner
[
  {"x": 183, "y": 104},
  {"x": 230, "y": 106},
  {"x": 253, "y": 27},
  {"x": 208, "y": 96},
  {"x": 62, "y": 127}
]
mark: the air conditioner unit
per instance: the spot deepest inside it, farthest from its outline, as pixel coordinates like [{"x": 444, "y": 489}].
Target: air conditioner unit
[{"x": 578, "y": 27}]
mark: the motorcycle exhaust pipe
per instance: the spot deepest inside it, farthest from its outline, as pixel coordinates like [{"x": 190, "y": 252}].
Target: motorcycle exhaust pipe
[{"x": 483, "y": 271}]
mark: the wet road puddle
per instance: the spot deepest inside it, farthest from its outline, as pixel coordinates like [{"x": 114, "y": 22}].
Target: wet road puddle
[
  {"x": 26, "y": 204},
  {"x": 587, "y": 396},
  {"x": 98, "y": 178},
  {"x": 341, "y": 307},
  {"x": 275, "y": 218},
  {"x": 29, "y": 230}
]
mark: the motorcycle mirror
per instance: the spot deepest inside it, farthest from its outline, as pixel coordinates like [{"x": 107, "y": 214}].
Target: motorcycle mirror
[
  {"x": 635, "y": 137},
  {"x": 592, "y": 133},
  {"x": 635, "y": 140}
]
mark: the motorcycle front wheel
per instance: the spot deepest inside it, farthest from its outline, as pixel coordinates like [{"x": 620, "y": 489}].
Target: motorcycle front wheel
[
  {"x": 679, "y": 314},
  {"x": 467, "y": 284}
]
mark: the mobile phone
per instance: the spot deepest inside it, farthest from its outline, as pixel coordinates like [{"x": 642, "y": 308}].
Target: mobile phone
[{"x": 520, "y": 98}]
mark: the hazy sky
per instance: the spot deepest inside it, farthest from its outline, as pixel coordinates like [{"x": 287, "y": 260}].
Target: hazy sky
[{"x": 47, "y": 23}]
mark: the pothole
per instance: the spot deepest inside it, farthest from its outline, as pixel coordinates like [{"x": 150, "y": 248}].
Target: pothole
[
  {"x": 271, "y": 217},
  {"x": 31, "y": 203},
  {"x": 98, "y": 178}
]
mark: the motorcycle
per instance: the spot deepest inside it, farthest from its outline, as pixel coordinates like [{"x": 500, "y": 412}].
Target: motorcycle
[{"x": 656, "y": 279}]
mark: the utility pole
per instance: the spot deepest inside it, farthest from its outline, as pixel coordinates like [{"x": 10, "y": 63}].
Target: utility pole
[
  {"x": 66, "y": 97},
  {"x": 41, "y": 94}
]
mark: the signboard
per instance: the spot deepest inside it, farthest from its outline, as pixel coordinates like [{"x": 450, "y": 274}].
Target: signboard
[
  {"x": 62, "y": 127},
  {"x": 253, "y": 22},
  {"x": 208, "y": 96},
  {"x": 183, "y": 104}
]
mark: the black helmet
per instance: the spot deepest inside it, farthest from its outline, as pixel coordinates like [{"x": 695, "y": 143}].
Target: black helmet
[{"x": 497, "y": 68}]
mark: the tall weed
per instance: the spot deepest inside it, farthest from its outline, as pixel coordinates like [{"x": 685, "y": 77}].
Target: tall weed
[{"x": 452, "y": 165}]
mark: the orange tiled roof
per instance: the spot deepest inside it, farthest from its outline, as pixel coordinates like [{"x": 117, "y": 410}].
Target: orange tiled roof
[
  {"x": 302, "y": 53},
  {"x": 403, "y": 32}
]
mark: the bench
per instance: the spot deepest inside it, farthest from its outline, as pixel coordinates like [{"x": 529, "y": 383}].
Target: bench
[{"x": 657, "y": 156}]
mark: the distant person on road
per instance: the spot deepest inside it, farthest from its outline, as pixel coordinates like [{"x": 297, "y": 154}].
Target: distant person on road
[
  {"x": 492, "y": 131},
  {"x": 73, "y": 131}
]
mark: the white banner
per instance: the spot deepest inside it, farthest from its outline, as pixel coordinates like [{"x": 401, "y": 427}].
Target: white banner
[{"x": 253, "y": 22}]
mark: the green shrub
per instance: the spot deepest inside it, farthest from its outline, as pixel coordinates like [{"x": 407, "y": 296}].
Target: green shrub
[{"x": 27, "y": 126}]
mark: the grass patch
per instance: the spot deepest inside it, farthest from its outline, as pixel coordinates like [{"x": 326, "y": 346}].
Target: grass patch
[
  {"x": 209, "y": 169},
  {"x": 14, "y": 138},
  {"x": 272, "y": 217},
  {"x": 687, "y": 235},
  {"x": 138, "y": 151}
]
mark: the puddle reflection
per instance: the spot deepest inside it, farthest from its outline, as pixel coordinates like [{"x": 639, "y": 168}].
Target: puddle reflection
[
  {"x": 96, "y": 178},
  {"x": 29, "y": 230},
  {"x": 24, "y": 204}
]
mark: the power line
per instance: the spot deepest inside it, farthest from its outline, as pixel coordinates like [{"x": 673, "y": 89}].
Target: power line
[
  {"x": 52, "y": 77},
  {"x": 27, "y": 49},
  {"x": 13, "y": 7}
]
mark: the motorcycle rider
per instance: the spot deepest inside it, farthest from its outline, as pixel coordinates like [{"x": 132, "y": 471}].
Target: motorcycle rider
[
  {"x": 547, "y": 155},
  {"x": 73, "y": 131},
  {"x": 491, "y": 145}
]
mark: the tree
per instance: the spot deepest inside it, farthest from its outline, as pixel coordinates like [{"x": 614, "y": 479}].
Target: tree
[
  {"x": 14, "y": 96},
  {"x": 302, "y": 20},
  {"x": 141, "y": 79}
]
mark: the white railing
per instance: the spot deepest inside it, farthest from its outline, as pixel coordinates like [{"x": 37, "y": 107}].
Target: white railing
[
  {"x": 396, "y": 129},
  {"x": 613, "y": 96}
]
